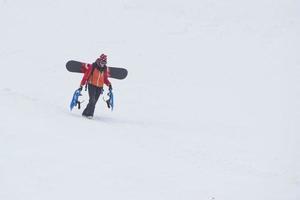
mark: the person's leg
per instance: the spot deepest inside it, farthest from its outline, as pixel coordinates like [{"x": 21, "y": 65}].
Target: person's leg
[
  {"x": 94, "y": 94},
  {"x": 88, "y": 111},
  {"x": 98, "y": 92}
]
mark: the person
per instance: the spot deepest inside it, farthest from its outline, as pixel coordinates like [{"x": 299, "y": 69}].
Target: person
[{"x": 95, "y": 76}]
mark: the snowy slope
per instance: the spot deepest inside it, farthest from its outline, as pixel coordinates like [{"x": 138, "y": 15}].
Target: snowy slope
[{"x": 210, "y": 108}]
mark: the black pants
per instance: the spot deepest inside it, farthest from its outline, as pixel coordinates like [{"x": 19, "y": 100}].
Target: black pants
[{"x": 94, "y": 94}]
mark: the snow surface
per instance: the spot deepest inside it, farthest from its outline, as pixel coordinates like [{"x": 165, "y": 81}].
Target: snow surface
[{"x": 210, "y": 109}]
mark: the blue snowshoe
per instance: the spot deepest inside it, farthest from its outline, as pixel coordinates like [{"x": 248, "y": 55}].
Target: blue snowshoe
[
  {"x": 110, "y": 100},
  {"x": 75, "y": 101}
]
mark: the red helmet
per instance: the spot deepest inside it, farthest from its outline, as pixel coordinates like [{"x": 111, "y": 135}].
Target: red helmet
[
  {"x": 101, "y": 60},
  {"x": 103, "y": 57}
]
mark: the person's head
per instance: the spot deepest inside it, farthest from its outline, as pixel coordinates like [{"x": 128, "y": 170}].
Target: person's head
[{"x": 102, "y": 60}]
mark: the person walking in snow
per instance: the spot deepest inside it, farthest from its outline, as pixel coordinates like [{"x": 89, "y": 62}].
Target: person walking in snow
[{"x": 95, "y": 76}]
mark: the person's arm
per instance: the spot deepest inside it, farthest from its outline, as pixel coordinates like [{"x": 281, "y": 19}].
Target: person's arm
[
  {"x": 84, "y": 67},
  {"x": 106, "y": 81},
  {"x": 86, "y": 75}
]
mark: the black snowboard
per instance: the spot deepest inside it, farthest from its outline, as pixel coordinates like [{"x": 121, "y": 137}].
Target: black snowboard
[{"x": 114, "y": 72}]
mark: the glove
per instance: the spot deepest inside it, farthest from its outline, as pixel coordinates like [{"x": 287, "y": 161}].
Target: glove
[
  {"x": 80, "y": 88},
  {"x": 110, "y": 87}
]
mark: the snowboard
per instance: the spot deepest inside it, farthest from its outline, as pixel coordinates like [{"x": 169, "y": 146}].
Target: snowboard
[{"x": 79, "y": 67}]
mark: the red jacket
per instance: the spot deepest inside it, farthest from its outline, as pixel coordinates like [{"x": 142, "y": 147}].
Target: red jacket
[{"x": 97, "y": 78}]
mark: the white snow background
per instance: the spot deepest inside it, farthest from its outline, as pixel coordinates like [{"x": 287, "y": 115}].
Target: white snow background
[{"x": 210, "y": 109}]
